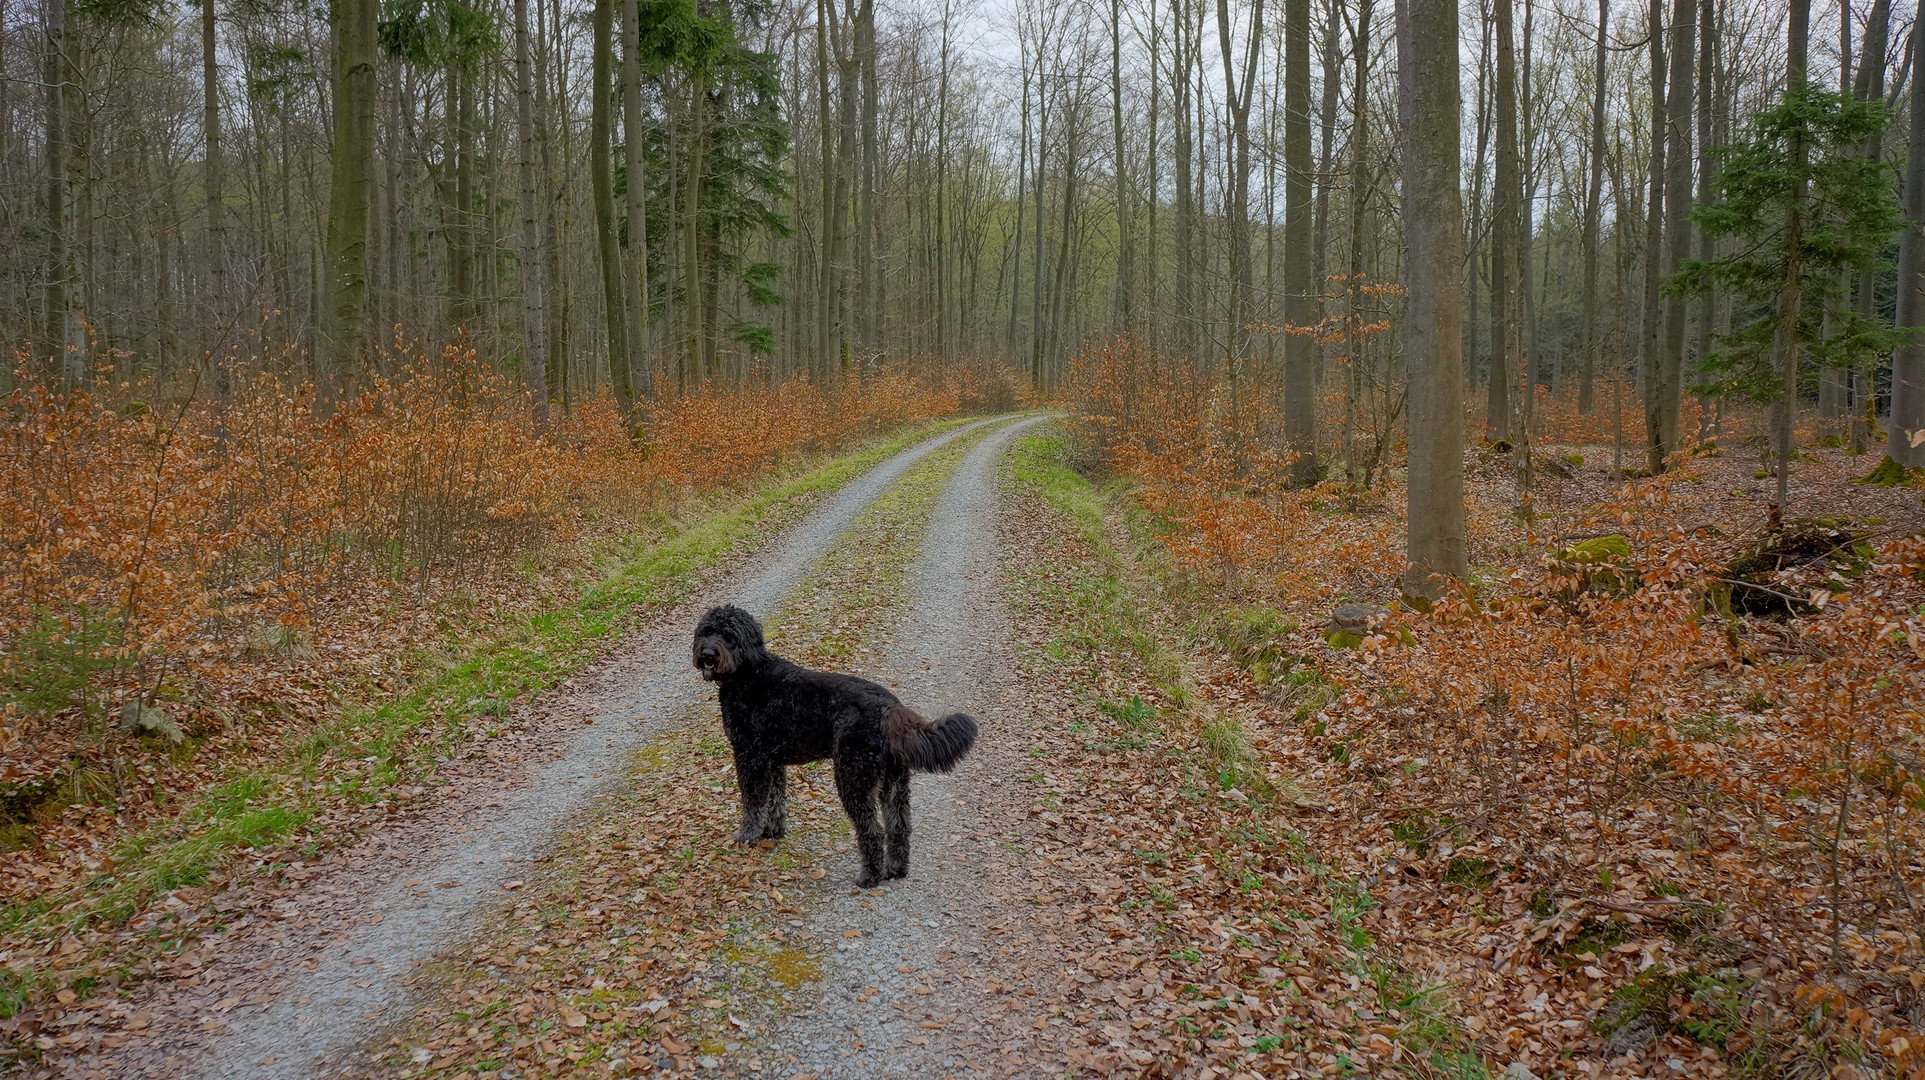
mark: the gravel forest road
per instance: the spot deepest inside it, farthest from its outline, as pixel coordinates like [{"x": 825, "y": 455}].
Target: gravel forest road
[
  {"x": 295, "y": 992},
  {"x": 886, "y": 1005}
]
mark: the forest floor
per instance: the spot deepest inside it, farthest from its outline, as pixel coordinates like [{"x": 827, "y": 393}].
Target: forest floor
[{"x": 1135, "y": 873}]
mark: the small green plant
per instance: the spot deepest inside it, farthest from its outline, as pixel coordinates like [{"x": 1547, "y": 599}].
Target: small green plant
[
  {"x": 1471, "y": 873},
  {"x": 1420, "y": 828},
  {"x": 1130, "y": 714},
  {"x": 53, "y": 661}
]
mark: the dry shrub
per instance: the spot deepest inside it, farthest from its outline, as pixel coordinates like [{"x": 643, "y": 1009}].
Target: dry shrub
[
  {"x": 1562, "y": 770},
  {"x": 1205, "y": 458}
]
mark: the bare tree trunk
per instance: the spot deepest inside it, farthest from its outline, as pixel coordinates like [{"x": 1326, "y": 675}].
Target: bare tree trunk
[
  {"x": 1299, "y": 300},
  {"x": 1707, "y": 167},
  {"x": 827, "y": 298},
  {"x": 345, "y": 338},
  {"x": 212, "y": 179},
  {"x": 1905, "y": 444},
  {"x": 601, "y": 176},
  {"x": 66, "y": 343},
  {"x": 1237, "y": 99},
  {"x": 1022, "y": 207},
  {"x": 1326, "y": 159},
  {"x": 556, "y": 322},
  {"x": 1652, "y": 338},
  {"x": 1593, "y": 203},
  {"x": 1665, "y": 397},
  {"x": 534, "y": 357},
  {"x": 1507, "y": 198},
  {"x": 1791, "y": 295},
  {"x": 1869, "y": 86},
  {"x": 847, "y": 116},
  {"x": 1435, "y": 543},
  {"x": 694, "y": 291},
  {"x": 1353, "y": 278},
  {"x": 635, "y": 238},
  {"x": 943, "y": 277},
  {"x": 1125, "y": 261},
  {"x": 867, "y": 269}
]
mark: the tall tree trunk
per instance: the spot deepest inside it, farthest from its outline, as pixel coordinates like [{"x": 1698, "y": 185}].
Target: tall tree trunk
[
  {"x": 460, "y": 186},
  {"x": 1869, "y": 86},
  {"x": 345, "y": 339},
  {"x": 943, "y": 276},
  {"x": 1665, "y": 398},
  {"x": 868, "y": 270},
  {"x": 1652, "y": 342},
  {"x": 1299, "y": 299},
  {"x": 1791, "y": 297},
  {"x": 1125, "y": 254},
  {"x": 212, "y": 179},
  {"x": 1905, "y": 443},
  {"x": 848, "y": 126},
  {"x": 1185, "y": 301},
  {"x": 556, "y": 322},
  {"x": 1507, "y": 198},
  {"x": 694, "y": 309},
  {"x": 1593, "y": 203},
  {"x": 1354, "y": 342},
  {"x": 1435, "y": 542},
  {"x": 1326, "y": 161},
  {"x": 1036, "y": 342},
  {"x": 1707, "y": 167},
  {"x": 1479, "y": 265},
  {"x": 827, "y": 300},
  {"x": 601, "y": 124},
  {"x": 66, "y": 342},
  {"x": 1237, "y": 98},
  {"x": 635, "y": 237},
  {"x": 534, "y": 357},
  {"x": 1022, "y": 208}
]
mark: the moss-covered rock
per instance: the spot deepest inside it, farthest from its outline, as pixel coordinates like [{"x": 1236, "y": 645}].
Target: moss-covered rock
[{"x": 1598, "y": 565}]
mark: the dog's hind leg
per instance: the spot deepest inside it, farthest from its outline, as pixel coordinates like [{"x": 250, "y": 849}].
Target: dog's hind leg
[
  {"x": 895, "y": 820},
  {"x": 857, "y": 788}
]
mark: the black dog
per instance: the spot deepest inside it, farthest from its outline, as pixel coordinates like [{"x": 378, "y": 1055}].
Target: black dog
[{"x": 778, "y": 714}]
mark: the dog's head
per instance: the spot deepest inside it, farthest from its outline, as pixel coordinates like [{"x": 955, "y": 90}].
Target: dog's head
[{"x": 727, "y": 640}]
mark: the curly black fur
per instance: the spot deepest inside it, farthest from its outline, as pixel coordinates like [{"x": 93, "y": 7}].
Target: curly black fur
[{"x": 778, "y": 714}]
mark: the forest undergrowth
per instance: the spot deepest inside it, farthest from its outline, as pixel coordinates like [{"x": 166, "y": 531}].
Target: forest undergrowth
[
  {"x": 1649, "y": 784},
  {"x": 237, "y": 625}
]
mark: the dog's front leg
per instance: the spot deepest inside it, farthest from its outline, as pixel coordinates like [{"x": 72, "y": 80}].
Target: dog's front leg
[{"x": 763, "y": 796}]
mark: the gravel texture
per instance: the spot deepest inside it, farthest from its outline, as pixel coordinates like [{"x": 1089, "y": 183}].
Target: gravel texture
[
  {"x": 292, "y": 990},
  {"x": 912, "y": 996}
]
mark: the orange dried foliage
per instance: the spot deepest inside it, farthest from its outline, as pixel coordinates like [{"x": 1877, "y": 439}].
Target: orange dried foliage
[
  {"x": 175, "y": 526},
  {"x": 1618, "y": 765}
]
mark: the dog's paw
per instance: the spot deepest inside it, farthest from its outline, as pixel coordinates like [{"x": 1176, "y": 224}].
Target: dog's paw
[
  {"x": 867, "y": 880},
  {"x": 746, "y": 837},
  {"x": 898, "y": 872}
]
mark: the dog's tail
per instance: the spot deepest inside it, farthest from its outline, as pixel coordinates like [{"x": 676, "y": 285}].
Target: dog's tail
[{"x": 927, "y": 747}]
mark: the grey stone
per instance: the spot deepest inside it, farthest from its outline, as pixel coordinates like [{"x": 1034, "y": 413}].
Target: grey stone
[
  {"x": 1361, "y": 618},
  {"x": 149, "y": 720}
]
